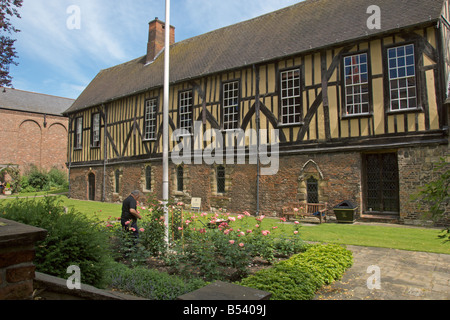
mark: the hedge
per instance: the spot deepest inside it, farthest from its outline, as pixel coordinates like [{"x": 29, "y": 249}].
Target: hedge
[
  {"x": 299, "y": 277},
  {"x": 151, "y": 284}
]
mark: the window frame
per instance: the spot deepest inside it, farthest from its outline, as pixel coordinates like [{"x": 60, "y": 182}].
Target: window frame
[
  {"x": 282, "y": 108},
  {"x": 180, "y": 178},
  {"x": 148, "y": 175},
  {"x": 150, "y": 120},
  {"x": 221, "y": 180},
  {"x": 96, "y": 143},
  {"x": 78, "y": 133},
  {"x": 236, "y": 121},
  {"x": 190, "y": 112},
  {"x": 387, "y": 69},
  {"x": 345, "y": 86}
]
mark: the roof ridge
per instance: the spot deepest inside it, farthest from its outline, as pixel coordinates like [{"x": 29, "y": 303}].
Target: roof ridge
[{"x": 37, "y": 93}]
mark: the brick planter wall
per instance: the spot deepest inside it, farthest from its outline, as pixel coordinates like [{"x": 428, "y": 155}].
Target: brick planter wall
[{"x": 17, "y": 251}]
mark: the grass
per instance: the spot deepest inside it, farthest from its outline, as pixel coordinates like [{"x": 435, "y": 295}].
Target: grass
[
  {"x": 404, "y": 238},
  {"x": 396, "y": 237}
]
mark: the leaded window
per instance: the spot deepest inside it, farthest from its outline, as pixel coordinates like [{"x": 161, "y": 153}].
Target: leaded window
[
  {"x": 381, "y": 183},
  {"x": 312, "y": 189},
  {"x": 231, "y": 105},
  {"x": 180, "y": 179},
  {"x": 220, "y": 179},
  {"x": 117, "y": 180},
  {"x": 291, "y": 108},
  {"x": 402, "y": 78},
  {"x": 356, "y": 84},
  {"x": 148, "y": 178},
  {"x": 151, "y": 110},
  {"x": 185, "y": 110}
]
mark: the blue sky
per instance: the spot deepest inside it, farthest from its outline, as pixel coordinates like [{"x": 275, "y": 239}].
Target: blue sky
[{"x": 61, "y": 61}]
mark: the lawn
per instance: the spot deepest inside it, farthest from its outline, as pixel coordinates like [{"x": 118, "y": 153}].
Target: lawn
[{"x": 396, "y": 237}]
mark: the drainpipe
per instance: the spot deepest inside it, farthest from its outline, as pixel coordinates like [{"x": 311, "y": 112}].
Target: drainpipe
[
  {"x": 70, "y": 154},
  {"x": 257, "y": 109},
  {"x": 105, "y": 151}
]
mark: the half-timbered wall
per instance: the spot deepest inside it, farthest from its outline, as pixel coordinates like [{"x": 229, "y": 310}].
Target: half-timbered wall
[{"x": 324, "y": 118}]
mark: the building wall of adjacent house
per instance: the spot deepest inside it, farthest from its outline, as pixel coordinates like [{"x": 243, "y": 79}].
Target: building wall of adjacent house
[{"x": 26, "y": 141}]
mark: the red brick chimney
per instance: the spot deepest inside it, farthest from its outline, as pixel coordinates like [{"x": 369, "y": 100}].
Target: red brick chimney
[{"x": 156, "y": 36}]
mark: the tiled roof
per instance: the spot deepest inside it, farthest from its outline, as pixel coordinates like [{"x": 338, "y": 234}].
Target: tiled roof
[
  {"x": 306, "y": 26},
  {"x": 26, "y": 101}
]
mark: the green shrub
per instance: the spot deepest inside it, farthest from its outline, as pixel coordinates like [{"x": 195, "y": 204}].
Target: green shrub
[
  {"x": 57, "y": 178},
  {"x": 151, "y": 284},
  {"x": 38, "y": 179},
  {"x": 72, "y": 238},
  {"x": 299, "y": 277}
]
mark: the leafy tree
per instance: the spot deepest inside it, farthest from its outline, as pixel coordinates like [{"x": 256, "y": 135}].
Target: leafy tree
[
  {"x": 8, "y": 54},
  {"x": 435, "y": 194}
]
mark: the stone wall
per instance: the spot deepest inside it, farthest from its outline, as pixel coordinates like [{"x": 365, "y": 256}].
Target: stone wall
[
  {"x": 417, "y": 167},
  {"x": 339, "y": 176}
]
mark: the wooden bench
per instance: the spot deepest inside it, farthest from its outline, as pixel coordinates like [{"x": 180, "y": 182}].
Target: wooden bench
[{"x": 317, "y": 210}]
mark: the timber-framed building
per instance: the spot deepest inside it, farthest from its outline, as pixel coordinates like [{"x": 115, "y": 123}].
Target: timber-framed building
[{"x": 360, "y": 109}]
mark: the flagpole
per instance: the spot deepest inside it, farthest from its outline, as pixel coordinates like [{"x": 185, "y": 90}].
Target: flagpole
[{"x": 166, "y": 122}]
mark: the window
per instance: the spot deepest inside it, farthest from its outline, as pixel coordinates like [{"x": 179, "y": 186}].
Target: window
[
  {"x": 148, "y": 178},
  {"x": 95, "y": 130},
  {"x": 117, "y": 180},
  {"x": 180, "y": 179},
  {"x": 312, "y": 189},
  {"x": 291, "y": 109},
  {"x": 185, "y": 110},
  {"x": 402, "y": 78},
  {"x": 220, "y": 179},
  {"x": 231, "y": 105},
  {"x": 356, "y": 84},
  {"x": 151, "y": 109},
  {"x": 381, "y": 183},
  {"x": 78, "y": 143}
]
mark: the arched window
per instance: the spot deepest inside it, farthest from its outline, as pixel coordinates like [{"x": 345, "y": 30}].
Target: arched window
[
  {"x": 180, "y": 179},
  {"x": 220, "y": 179},
  {"x": 148, "y": 178},
  {"x": 312, "y": 189}
]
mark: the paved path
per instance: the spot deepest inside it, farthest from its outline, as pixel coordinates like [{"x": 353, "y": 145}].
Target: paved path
[{"x": 404, "y": 275}]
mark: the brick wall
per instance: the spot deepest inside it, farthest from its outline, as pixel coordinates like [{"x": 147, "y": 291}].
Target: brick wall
[
  {"x": 17, "y": 251},
  {"x": 25, "y": 140}
]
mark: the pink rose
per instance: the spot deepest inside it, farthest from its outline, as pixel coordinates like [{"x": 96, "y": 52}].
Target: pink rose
[
  {"x": 241, "y": 244},
  {"x": 231, "y": 241}
]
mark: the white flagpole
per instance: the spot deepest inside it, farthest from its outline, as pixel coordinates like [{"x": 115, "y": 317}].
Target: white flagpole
[{"x": 166, "y": 122}]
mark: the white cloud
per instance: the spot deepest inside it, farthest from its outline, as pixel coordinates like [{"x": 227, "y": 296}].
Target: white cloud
[{"x": 57, "y": 60}]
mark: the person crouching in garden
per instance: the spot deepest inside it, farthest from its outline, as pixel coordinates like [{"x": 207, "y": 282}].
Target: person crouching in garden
[{"x": 130, "y": 214}]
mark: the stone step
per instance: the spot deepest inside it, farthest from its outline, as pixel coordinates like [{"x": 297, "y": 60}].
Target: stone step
[{"x": 383, "y": 218}]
